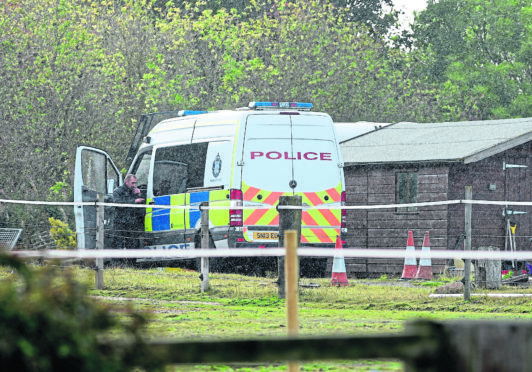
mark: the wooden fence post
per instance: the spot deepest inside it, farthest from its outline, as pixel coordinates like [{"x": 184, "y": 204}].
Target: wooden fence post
[
  {"x": 99, "y": 242},
  {"x": 205, "y": 286},
  {"x": 467, "y": 243},
  {"x": 289, "y": 219},
  {"x": 292, "y": 281}
]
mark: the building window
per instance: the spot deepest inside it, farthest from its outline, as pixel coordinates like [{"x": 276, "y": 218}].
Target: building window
[{"x": 406, "y": 190}]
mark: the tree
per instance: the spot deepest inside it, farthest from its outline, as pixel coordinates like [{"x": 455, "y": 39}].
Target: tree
[
  {"x": 302, "y": 51},
  {"x": 378, "y": 15},
  {"x": 480, "y": 51},
  {"x": 62, "y": 84}
]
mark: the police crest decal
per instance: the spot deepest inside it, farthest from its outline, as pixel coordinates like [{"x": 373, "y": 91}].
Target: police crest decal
[{"x": 217, "y": 166}]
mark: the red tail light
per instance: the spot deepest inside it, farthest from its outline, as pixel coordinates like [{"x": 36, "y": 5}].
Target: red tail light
[
  {"x": 236, "y": 214},
  {"x": 343, "y": 221}
]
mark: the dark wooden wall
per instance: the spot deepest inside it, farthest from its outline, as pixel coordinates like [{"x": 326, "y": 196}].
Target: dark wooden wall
[
  {"x": 388, "y": 228},
  {"x": 487, "y": 221},
  {"x": 512, "y": 184}
]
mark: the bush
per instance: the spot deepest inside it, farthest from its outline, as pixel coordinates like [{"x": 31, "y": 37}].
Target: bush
[
  {"x": 64, "y": 237},
  {"x": 49, "y": 324}
]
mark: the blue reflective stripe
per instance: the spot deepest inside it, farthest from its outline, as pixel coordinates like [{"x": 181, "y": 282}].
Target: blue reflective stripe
[
  {"x": 195, "y": 199},
  {"x": 160, "y": 219}
]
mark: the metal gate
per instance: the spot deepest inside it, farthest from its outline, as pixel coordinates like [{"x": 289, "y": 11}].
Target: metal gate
[{"x": 8, "y": 238}]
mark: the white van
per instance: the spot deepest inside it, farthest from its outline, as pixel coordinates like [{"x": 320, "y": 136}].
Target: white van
[{"x": 249, "y": 156}]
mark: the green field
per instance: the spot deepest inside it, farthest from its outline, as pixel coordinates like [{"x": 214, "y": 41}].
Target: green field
[{"x": 248, "y": 307}]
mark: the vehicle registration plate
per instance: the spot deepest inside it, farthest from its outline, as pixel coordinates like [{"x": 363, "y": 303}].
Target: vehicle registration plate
[{"x": 265, "y": 235}]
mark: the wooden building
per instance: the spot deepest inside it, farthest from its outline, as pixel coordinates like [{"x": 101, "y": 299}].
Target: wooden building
[{"x": 414, "y": 163}]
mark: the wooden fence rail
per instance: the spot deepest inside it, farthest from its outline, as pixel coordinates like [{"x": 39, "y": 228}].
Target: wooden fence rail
[{"x": 458, "y": 346}]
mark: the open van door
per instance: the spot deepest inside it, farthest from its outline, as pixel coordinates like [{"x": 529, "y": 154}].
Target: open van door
[{"x": 95, "y": 174}]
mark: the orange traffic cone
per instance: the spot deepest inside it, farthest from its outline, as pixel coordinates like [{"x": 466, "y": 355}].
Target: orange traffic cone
[
  {"x": 425, "y": 264},
  {"x": 339, "y": 276},
  {"x": 410, "y": 267}
]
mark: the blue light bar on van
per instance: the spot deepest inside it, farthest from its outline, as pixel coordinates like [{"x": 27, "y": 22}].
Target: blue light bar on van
[
  {"x": 280, "y": 105},
  {"x": 190, "y": 112}
]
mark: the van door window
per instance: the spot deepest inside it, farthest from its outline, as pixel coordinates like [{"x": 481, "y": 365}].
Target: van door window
[
  {"x": 141, "y": 169},
  {"x": 93, "y": 165},
  {"x": 177, "y": 168},
  {"x": 113, "y": 178}
]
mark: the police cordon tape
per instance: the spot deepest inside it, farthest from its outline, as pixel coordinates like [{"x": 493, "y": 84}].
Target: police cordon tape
[
  {"x": 327, "y": 206},
  {"x": 269, "y": 252},
  {"x": 159, "y": 206},
  {"x": 252, "y": 252}
]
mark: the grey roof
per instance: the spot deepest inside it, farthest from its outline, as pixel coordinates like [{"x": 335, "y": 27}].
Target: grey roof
[
  {"x": 466, "y": 141},
  {"x": 345, "y": 131}
]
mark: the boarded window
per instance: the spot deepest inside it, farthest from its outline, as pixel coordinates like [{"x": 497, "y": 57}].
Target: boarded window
[{"x": 406, "y": 190}]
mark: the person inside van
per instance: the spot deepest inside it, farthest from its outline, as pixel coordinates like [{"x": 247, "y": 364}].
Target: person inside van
[{"x": 127, "y": 222}]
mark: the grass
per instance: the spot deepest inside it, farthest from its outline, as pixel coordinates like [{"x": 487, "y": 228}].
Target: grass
[{"x": 242, "y": 307}]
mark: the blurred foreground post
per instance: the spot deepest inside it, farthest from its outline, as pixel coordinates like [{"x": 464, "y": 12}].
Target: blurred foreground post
[
  {"x": 99, "y": 241},
  {"x": 204, "y": 245},
  {"x": 292, "y": 279},
  {"x": 424, "y": 345},
  {"x": 289, "y": 219}
]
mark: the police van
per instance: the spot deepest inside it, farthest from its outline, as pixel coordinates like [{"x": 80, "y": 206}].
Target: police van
[{"x": 247, "y": 157}]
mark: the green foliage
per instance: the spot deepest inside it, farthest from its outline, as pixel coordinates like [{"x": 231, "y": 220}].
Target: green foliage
[
  {"x": 60, "y": 188},
  {"x": 480, "y": 51},
  {"x": 305, "y": 51},
  {"x": 378, "y": 15},
  {"x": 49, "y": 324},
  {"x": 64, "y": 237}
]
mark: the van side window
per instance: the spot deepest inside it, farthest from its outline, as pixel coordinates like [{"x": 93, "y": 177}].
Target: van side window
[{"x": 178, "y": 168}]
